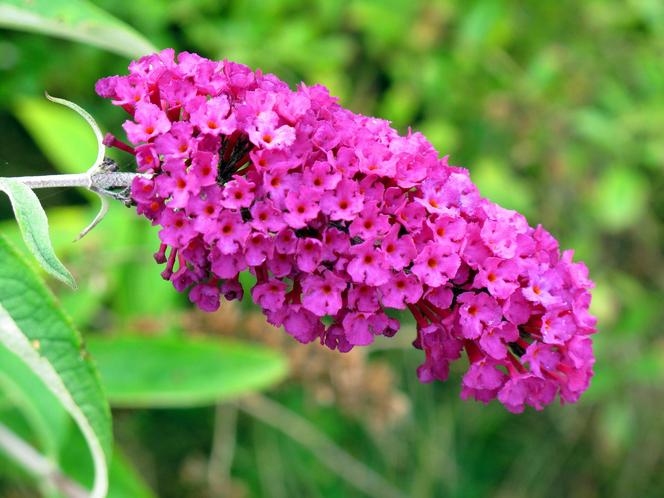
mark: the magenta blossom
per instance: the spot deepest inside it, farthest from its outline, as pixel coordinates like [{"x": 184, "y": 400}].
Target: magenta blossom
[{"x": 340, "y": 219}]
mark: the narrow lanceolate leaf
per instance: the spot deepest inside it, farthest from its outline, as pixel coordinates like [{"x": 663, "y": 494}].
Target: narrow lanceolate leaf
[
  {"x": 157, "y": 372},
  {"x": 77, "y": 20},
  {"x": 33, "y": 223},
  {"x": 47, "y": 419},
  {"x": 34, "y": 328},
  {"x": 48, "y": 425}
]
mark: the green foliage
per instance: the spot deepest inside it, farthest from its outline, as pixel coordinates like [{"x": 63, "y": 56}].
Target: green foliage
[
  {"x": 40, "y": 407},
  {"x": 171, "y": 372},
  {"x": 49, "y": 428},
  {"x": 34, "y": 328},
  {"x": 75, "y": 19}
]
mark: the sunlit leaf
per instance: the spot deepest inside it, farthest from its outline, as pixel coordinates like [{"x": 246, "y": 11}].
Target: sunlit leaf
[{"x": 77, "y": 20}]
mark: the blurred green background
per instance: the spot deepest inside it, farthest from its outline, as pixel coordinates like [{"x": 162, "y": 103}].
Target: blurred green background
[{"x": 557, "y": 109}]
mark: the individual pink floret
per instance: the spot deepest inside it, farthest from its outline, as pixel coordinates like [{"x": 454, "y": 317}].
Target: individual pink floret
[
  {"x": 321, "y": 294},
  {"x": 150, "y": 121}
]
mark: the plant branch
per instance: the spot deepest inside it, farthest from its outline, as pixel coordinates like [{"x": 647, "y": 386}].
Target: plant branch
[
  {"x": 335, "y": 458},
  {"x": 38, "y": 465},
  {"x": 96, "y": 181}
]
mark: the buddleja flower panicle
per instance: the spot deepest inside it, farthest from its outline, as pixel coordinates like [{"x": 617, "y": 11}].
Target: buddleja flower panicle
[{"x": 339, "y": 216}]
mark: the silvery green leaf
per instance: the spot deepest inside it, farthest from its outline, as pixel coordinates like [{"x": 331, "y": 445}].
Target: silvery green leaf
[{"x": 33, "y": 223}]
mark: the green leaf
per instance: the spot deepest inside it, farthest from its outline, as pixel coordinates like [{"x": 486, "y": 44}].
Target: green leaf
[
  {"x": 50, "y": 426},
  {"x": 33, "y": 223},
  {"x": 34, "y": 328},
  {"x": 76, "y": 20},
  {"x": 173, "y": 372},
  {"x": 41, "y": 409}
]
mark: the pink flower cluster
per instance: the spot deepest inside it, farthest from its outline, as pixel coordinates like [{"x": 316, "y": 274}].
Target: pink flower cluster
[{"x": 340, "y": 219}]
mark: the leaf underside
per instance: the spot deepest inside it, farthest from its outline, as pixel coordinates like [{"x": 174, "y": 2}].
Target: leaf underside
[{"x": 33, "y": 223}]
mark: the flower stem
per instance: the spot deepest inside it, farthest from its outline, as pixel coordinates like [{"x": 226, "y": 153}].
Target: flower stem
[{"x": 98, "y": 181}]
